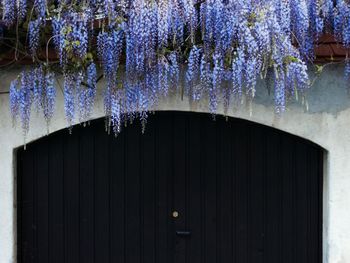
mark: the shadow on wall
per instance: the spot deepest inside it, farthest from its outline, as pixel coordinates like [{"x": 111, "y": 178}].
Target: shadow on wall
[{"x": 328, "y": 93}]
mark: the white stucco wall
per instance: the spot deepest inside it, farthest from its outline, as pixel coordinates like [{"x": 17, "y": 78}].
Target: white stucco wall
[{"x": 327, "y": 123}]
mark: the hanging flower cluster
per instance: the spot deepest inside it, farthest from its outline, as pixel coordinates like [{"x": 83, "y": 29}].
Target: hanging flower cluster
[
  {"x": 79, "y": 95},
  {"x": 146, "y": 49},
  {"x": 33, "y": 88}
]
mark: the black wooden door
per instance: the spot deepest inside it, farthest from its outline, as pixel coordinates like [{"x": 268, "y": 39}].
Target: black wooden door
[{"x": 189, "y": 190}]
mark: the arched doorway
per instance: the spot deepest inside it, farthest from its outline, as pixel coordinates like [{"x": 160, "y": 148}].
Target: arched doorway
[{"x": 189, "y": 190}]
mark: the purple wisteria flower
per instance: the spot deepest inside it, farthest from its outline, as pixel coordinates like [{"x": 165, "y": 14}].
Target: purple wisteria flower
[
  {"x": 14, "y": 100},
  {"x": 69, "y": 97},
  {"x": 86, "y": 95},
  {"x": 9, "y": 11},
  {"x": 49, "y": 98},
  {"x": 22, "y": 9},
  {"x": 34, "y": 35},
  {"x": 147, "y": 50},
  {"x": 193, "y": 70},
  {"x": 40, "y": 7},
  {"x": 25, "y": 100}
]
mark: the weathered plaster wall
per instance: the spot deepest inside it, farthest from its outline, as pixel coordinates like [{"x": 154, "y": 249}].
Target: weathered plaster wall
[{"x": 327, "y": 123}]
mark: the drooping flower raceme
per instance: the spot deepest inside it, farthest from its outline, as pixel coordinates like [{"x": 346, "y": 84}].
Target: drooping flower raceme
[
  {"x": 69, "y": 97},
  {"x": 40, "y": 8},
  {"x": 71, "y": 35},
  {"x": 38, "y": 87},
  {"x": 34, "y": 35},
  {"x": 9, "y": 11},
  {"x": 193, "y": 71},
  {"x": 22, "y": 9},
  {"x": 49, "y": 98},
  {"x": 347, "y": 71},
  {"x": 14, "y": 100},
  {"x": 33, "y": 87},
  {"x": 25, "y": 101},
  {"x": 300, "y": 25},
  {"x": 87, "y": 94}
]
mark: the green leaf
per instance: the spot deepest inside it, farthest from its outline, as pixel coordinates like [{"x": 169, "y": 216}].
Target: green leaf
[
  {"x": 319, "y": 69},
  {"x": 290, "y": 59}
]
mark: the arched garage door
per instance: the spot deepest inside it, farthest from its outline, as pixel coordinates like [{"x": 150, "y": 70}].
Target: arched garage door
[{"x": 189, "y": 190}]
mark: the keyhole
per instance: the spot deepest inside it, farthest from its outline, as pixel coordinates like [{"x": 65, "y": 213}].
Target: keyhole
[{"x": 175, "y": 214}]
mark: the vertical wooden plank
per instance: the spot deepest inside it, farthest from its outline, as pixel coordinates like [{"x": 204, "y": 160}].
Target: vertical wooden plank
[
  {"x": 141, "y": 201},
  {"x": 35, "y": 202},
  {"x": 209, "y": 175},
  {"x": 148, "y": 198},
  {"x": 27, "y": 205},
  {"x": 133, "y": 230},
  {"x": 320, "y": 181},
  {"x": 179, "y": 179},
  {"x": 218, "y": 177},
  {"x": 86, "y": 197},
  {"x": 202, "y": 191},
  {"x": 302, "y": 223},
  {"x": 193, "y": 213},
  {"x": 102, "y": 205},
  {"x": 314, "y": 215},
  {"x": 225, "y": 193},
  {"x": 288, "y": 196},
  {"x": 274, "y": 202},
  {"x": 56, "y": 205},
  {"x": 117, "y": 197},
  {"x": 257, "y": 193},
  {"x": 240, "y": 158},
  {"x": 42, "y": 170},
  {"x": 71, "y": 196},
  {"x": 164, "y": 188},
  {"x": 19, "y": 190}
]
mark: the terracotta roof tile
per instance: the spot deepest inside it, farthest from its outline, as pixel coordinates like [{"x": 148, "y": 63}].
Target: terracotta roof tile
[
  {"x": 324, "y": 50},
  {"x": 327, "y": 38},
  {"x": 339, "y": 50}
]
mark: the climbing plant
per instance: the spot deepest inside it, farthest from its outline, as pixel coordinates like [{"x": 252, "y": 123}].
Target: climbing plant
[{"x": 215, "y": 50}]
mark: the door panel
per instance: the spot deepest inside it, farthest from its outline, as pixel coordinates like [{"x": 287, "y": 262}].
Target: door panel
[
  {"x": 86, "y": 191},
  {"x": 179, "y": 178},
  {"x": 164, "y": 156},
  {"x": 243, "y": 193},
  {"x": 194, "y": 184}
]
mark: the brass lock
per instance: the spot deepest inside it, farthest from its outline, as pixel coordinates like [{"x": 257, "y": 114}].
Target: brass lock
[{"x": 175, "y": 214}]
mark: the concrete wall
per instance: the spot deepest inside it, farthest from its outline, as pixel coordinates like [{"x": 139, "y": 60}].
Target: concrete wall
[{"x": 326, "y": 123}]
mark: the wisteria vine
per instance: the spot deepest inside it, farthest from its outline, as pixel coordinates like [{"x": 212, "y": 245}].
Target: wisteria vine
[{"x": 147, "y": 49}]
